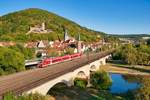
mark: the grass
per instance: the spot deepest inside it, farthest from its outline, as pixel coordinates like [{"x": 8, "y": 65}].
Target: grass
[{"x": 145, "y": 69}]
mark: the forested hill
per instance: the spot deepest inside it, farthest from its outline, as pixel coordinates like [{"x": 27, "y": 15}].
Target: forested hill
[{"x": 14, "y": 26}]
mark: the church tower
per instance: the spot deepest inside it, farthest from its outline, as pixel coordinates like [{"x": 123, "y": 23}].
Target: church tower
[
  {"x": 79, "y": 44},
  {"x": 66, "y": 37},
  {"x": 43, "y": 26}
]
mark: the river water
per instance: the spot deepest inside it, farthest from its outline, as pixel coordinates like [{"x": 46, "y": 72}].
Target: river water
[{"x": 121, "y": 85}]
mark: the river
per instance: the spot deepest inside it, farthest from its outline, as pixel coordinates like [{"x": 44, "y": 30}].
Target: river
[{"x": 122, "y": 85}]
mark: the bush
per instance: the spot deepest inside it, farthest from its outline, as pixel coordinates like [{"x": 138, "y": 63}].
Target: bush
[
  {"x": 39, "y": 55},
  {"x": 9, "y": 96},
  {"x": 69, "y": 51},
  {"x": 35, "y": 96},
  {"x": 101, "y": 80},
  {"x": 1, "y": 71},
  {"x": 81, "y": 83},
  {"x": 31, "y": 96},
  {"x": 53, "y": 53}
]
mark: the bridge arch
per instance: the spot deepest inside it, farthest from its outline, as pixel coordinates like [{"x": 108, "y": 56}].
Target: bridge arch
[
  {"x": 101, "y": 62},
  {"x": 81, "y": 74},
  {"x": 93, "y": 68},
  {"x": 57, "y": 87},
  {"x": 46, "y": 87}
]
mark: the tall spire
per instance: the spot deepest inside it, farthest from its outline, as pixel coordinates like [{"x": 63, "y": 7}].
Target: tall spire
[
  {"x": 79, "y": 44},
  {"x": 43, "y": 26},
  {"x": 79, "y": 37},
  {"x": 66, "y": 37}
]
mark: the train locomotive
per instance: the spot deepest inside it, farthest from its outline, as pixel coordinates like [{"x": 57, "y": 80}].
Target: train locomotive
[{"x": 49, "y": 61}]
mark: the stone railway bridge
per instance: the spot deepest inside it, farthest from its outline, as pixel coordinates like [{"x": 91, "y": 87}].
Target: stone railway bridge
[{"x": 43, "y": 79}]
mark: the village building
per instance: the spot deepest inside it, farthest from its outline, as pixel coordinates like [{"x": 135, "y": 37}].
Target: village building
[
  {"x": 7, "y": 44},
  {"x": 45, "y": 47},
  {"x": 41, "y": 48},
  {"x": 31, "y": 45}
]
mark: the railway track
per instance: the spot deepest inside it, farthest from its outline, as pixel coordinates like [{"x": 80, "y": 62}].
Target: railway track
[{"x": 24, "y": 81}]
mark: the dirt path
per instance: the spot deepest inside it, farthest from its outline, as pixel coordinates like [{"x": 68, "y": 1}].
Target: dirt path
[{"x": 115, "y": 69}]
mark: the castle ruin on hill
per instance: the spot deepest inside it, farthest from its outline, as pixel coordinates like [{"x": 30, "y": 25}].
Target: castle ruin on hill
[{"x": 39, "y": 29}]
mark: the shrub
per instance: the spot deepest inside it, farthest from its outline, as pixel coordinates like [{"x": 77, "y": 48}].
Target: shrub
[
  {"x": 31, "y": 96},
  {"x": 9, "y": 96},
  {"x": 1, "y": 71},
  {"x": 81, "y": 83},
  {"x": 101, "y": 80},
  {"x": 69, "y": 51},
  {"x": 35, "y": 96},
  {"x": 39, "y": 55},
  {"x": 53, "y": 53}
]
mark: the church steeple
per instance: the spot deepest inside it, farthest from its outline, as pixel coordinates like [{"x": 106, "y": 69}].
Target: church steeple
[
  {"x": 79, "y": 37},
  {"x": 79, "y": 44},
  {"x": 43, "y": 26},
  {"x": 66, "y": 37}
]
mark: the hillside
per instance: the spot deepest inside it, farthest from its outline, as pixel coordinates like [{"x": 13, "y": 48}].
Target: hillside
[{"x": 14, "y": 26}]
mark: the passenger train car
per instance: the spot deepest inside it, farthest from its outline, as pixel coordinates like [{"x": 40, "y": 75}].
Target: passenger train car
[{"x": 49, "y": 61}]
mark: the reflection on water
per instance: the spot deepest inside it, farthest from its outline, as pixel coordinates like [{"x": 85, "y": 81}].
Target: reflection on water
[{"x": 120, "y": 85}]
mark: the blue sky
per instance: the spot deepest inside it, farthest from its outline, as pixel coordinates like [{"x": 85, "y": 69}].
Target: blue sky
[{"x": 110, "y": 16}]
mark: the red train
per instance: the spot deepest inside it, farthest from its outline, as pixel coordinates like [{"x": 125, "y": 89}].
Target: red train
[{"x": 49, "y": 61}]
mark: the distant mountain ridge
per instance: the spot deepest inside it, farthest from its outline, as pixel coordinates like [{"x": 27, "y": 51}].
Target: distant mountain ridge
[
  {"x": 131, "y": 35},
  {"x": 18, "y": 23}
]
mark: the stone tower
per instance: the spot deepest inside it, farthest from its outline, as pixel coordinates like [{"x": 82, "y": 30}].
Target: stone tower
[
  {"x": 43, "y": 26},
  {"x": 79, "y": 44},
  {"x": 66, "y": 37}
]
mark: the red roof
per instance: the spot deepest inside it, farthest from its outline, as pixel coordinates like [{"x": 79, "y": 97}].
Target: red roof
[{"x": 7, "y": 44}]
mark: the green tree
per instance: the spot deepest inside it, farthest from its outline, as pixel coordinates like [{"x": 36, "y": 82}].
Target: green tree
[
  {"x": 9, "y": 96},
  {"x": 69, "y": 51},
  {"x": 11, "y": 61},
  {"x": 148, "y": 42},
  {"x": 143, "y": 93},
  {"x": 27, "y": 52},
  {"x": 130, "y": 55},
  {"x": 39, "y": 55},
  {"x": 142, "y": 58},
  {"x": 101, "y": 80},
  {"x": 1, "y": 71},
  {"x": 81, "y": 83},
  {"x": 133, "y": 55}
]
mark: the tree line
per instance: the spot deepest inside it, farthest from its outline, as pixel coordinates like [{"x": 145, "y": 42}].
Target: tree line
[{"x": 133, "y": 54}]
